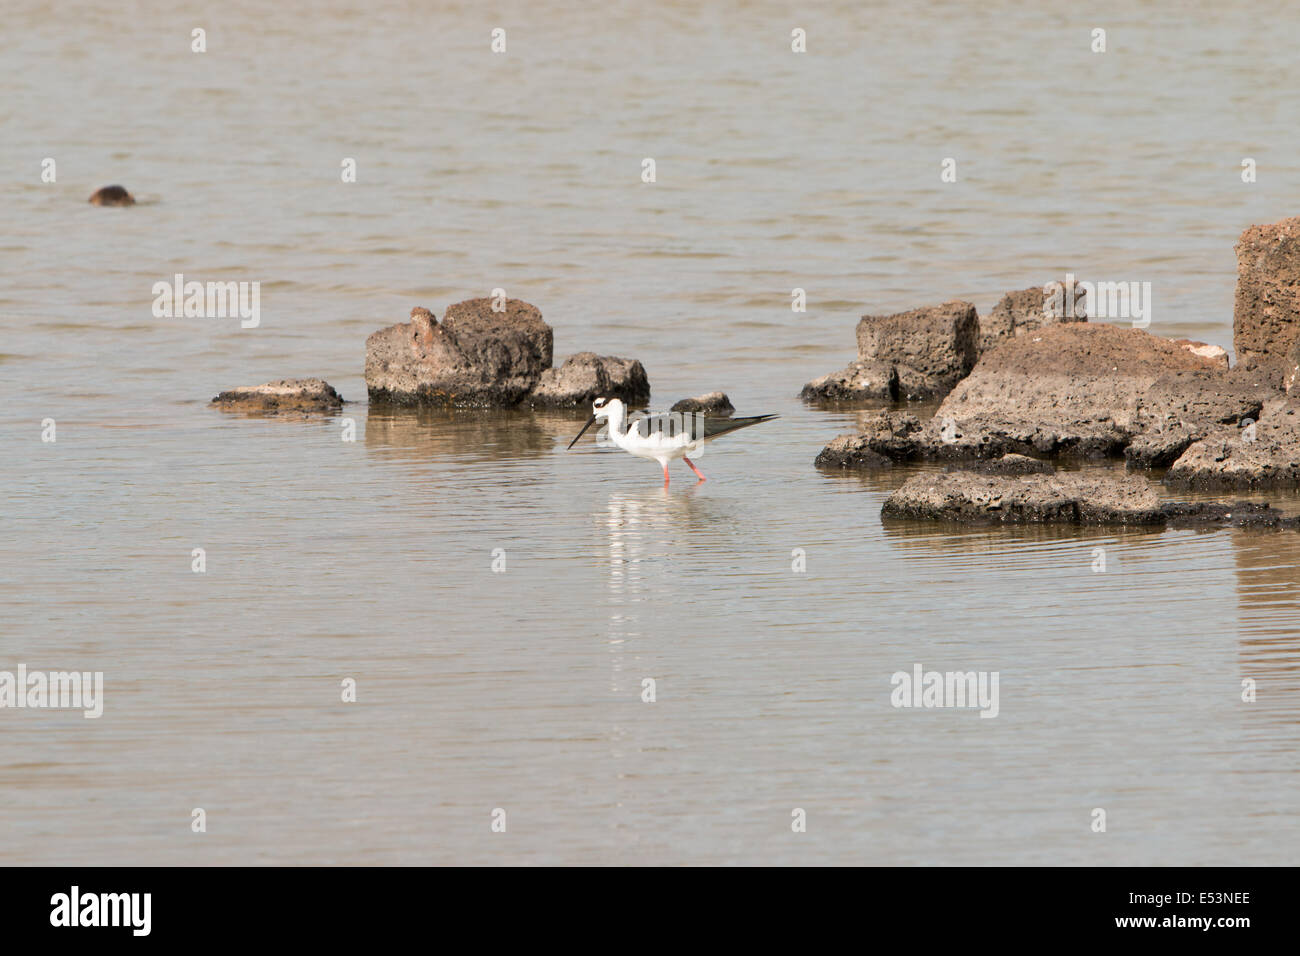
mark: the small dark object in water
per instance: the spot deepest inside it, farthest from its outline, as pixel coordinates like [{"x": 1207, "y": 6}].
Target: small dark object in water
[{"x": 112, "y": 196}]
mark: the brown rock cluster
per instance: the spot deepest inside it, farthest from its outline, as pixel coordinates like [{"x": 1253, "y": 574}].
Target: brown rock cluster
[
  {"x": 1060, "y": 389},
  {"x": 480, "y": 357}
]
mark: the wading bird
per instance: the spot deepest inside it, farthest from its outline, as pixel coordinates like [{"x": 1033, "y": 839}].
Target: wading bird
[{"x": 665, "y": 437}]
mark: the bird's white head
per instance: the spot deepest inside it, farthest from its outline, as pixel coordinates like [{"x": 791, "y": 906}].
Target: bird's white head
[
  {"x": 602, "y": 409},
  {"x": 607, "y": 408}
]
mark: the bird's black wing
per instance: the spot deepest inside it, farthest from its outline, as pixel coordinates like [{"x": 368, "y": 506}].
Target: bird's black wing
[
  {"x": 713, "y": 427},
  {"x": 693, "y": 423}
]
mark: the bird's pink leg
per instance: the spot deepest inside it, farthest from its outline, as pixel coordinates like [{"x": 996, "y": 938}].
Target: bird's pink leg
[
  {"x": 665, "y": 476},
  {"x": 693, "y": 468}
]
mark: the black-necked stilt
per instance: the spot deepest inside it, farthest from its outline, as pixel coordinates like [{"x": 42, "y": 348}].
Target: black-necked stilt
[{"x": 665, "y": 437}]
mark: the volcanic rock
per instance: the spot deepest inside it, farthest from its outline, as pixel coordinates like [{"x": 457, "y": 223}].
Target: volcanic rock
[
  {"x": 1077, "y": 389},
  {"x": 1027, "y": 310},
  {"x": 713, "y": 403},
  {"x": 1069, "y": 498},
  {"x": 476, "y": 357},
  {"x": 916, "y": 355},
  {"x": 1263, "y": 454},
  {"x": 285, "y": 395},
  {"x": 1266, "y": 309},
  {"x": 587, "y": 376}
]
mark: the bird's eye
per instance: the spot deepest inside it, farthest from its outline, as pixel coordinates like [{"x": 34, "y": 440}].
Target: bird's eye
[{"x": 600, "y": 403}]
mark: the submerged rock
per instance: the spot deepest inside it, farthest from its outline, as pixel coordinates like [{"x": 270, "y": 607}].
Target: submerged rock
[
  {"x": 1264, "y": 454},
  {"x": 1067, "y": 498},
  {"x": 892, "y": 434},
  {"x": 1266, "y": 308},
  {"x": 1071, "y": 498},
  {"x": 287, "y": 394},
  {"x": 588, "y": 376},
  {"x": 859, "y": 380},
  {"x": 1159, "y": 448},
  {"x": 1241, "y": 514},
  {"x": 1184, "y": 406},
  {"x": 1008, "y": 465},
  {"x": 476, "y": 357},
  {"x": 111, "y": 196},
  {"x": 851, "y": 451},
  {"x": 714, "y": 403}
]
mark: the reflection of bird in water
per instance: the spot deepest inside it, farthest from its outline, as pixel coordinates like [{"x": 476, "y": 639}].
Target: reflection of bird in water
[{"x": 665, "y": 437}]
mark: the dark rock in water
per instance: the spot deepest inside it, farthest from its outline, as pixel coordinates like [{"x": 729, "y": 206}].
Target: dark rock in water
[
  {"x": 1264, "y": 454},
  {"x": 851, "y": 451},
  {"x": 1197, "y": 397},
  {"x": 1030, "y": 309},
  {"x": 112, "y": 196},
  {"x": 931, "y": 349},
  {"x": 714, "y": 403},
  {"x": 861, "y": 380},
  {"x": 478, "y": 358},
  {"x": 475, "y": 358},
  {"x": 1067, "y": 498},
  {"x": 917, "y": 355},
  {"x": 1068, "y": 387},
  {"x": 285, "y": 395},
  {"x": 1158, "y": 449},
  {"x": 1070, "y": 498},
  {"x": 889, "y": 437},
  {"x": 1266, "y": 309},
  {"x": 1081, "y": 390},
  {"x": 587, "y": 376},
  {"x": 1008, "y": 465},
  {"x": 1241, "y": 514},
  {"x": 1185, "y": 406}
]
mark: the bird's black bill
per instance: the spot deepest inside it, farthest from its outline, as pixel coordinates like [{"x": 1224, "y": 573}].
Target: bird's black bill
[{"x": 590, "y": 422}]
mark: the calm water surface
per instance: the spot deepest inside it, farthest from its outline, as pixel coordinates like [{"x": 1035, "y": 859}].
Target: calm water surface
[{"x": 373, "y": 559}]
